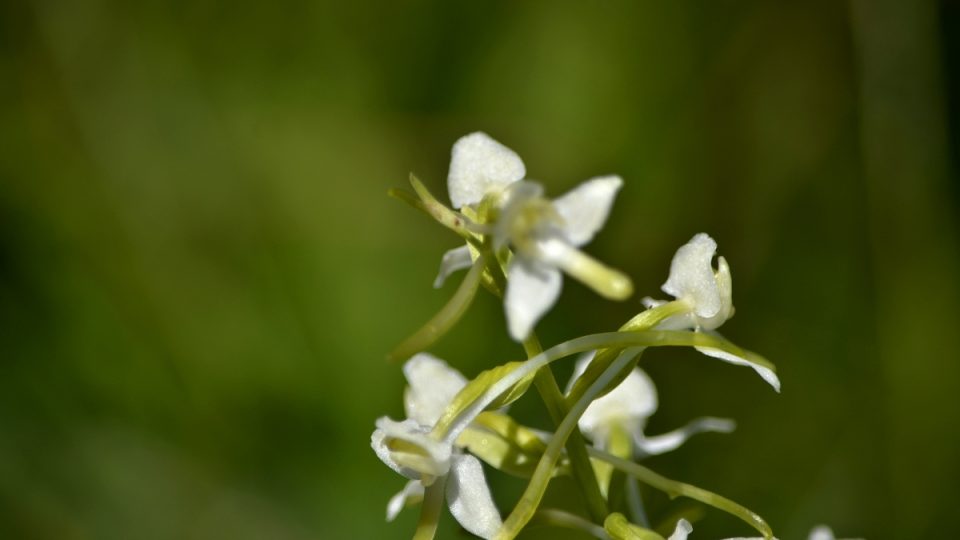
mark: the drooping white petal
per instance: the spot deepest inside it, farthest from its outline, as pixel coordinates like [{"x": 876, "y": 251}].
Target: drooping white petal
[
  {"x": 454, "y": 260},
  {"x": 765, "y": 372},
  {"x": 531, "y": 291},
  {"x": 478, "y": 165},
  {"x": 630, "y": 404},
  {"x": 692, "y": 276},
  {"x": 432, "y": 457},
  {"x": 683, "y": 529},
  {"x": 469, "y": 498},
  {"x": 659, "y": 444},
  {"x": 585, "y": 208},
  {"x": 412, "y": 493},
  {"x": 433, "y": 385},
  {"x": 821, "y": 532}
]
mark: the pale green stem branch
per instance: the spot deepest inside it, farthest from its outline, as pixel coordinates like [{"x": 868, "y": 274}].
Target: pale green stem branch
[{"x": 680, "y": 489}]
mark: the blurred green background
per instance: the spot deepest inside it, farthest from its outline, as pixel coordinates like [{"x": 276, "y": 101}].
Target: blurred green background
[{"x": 201, "y": 274}]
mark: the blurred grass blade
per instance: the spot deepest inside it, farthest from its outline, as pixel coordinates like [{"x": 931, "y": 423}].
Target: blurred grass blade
[{"x": 445, "y": 319}]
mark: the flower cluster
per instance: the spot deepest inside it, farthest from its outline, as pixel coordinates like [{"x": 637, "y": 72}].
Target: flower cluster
[{"x": 518, "y": 243}]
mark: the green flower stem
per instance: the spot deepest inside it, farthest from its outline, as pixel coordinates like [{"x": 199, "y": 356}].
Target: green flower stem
[
  {"x": 448, "y": 316},
  {"x": 528, "y": 503},
  {"x": 558, "y": 518},
  {"x": 678, "y": 489},
  {"x": 430, "y": 510},
  {"x": 580, "y": 467}
]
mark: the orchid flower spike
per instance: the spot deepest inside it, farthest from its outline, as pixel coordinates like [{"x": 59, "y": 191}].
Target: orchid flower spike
[
  {"x": 707, "y": 295},
  {"x": 545, "y": 234},
  {"x": 408, "y": 448},
  {"x": 628, "y": 406}
]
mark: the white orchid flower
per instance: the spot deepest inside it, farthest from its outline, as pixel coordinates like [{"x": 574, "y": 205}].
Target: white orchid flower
[
  {"x": 707, "y": 295},
  {"x": 545, "y": 234},
  {"x": 628, "y": 406},
  {"x": 408, "y": 448}
]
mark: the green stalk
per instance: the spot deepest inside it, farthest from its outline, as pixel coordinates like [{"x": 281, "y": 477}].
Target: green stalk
[
  {"x": 527, "y": 506},
  {"x": 580, "y": 467}
]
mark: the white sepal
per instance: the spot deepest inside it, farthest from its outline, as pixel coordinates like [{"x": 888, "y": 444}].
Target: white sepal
[
  {"x": 692, "y": 277},
  {"x": 433, "y": 385},
  {"x": 531, "y": 290},
  {"x": 469, "y": 498},
  {"x": 585, "y": 208},
  {"x": 480, "y": 165},
  {"x": 453, "y": 260}
]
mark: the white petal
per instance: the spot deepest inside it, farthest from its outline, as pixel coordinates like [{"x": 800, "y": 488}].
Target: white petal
[
  {"x": 585, "y": 208},
  {"x": 531, "y": 292},
  {"x": 411, "y": 493},
  {"x": 821, "y": 532},
  {"x": 692, "y": 276},
  {"x": 667, "y": 442},
  {"x": 629, "y": 404},
  {"x": 725, "y": 290},
  {"x": 433, "y": 458},
  {"x": 433, "y": 385},
  {"x": 683, "y": 529},
  {"x": 479, "y": 165},
  {"x": 469, "y": 497},
  {"x": 454, "y": 260},
  {"x": 765, "y": 372}
]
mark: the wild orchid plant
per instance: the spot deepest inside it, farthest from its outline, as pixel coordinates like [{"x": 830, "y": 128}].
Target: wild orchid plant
[{"x": 517, "y": 244}]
